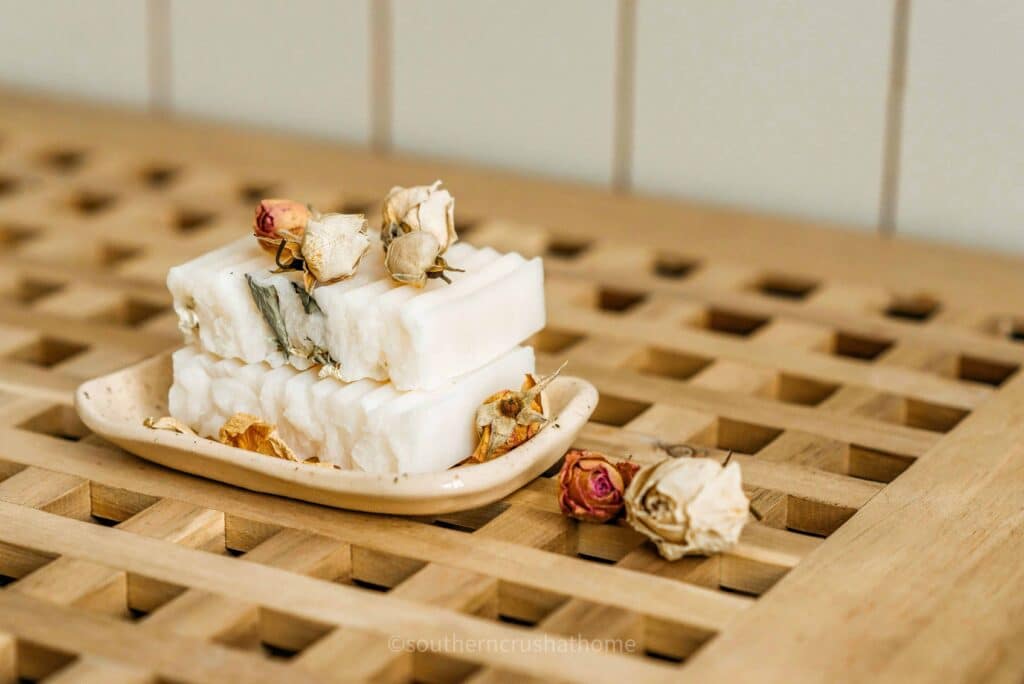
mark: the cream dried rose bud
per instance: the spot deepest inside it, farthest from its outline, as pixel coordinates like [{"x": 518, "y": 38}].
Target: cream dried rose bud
[
  {"x": 277, "y": 220},
  {"x": 411, "y": 258},
  {"x": 422, "y": 207},
  {"x": 688, "y": 506},
  {"x": 332, "y": 247}
]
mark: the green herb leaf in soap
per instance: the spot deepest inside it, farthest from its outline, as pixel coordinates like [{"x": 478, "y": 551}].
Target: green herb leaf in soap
[
  {"x": 308, "y": 303},
  {"x": 269, "y": 305},
  {"x": 329, "y": 368}
]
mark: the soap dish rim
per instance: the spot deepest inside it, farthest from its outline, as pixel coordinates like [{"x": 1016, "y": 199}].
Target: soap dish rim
[{"x": 102, "y": 402}]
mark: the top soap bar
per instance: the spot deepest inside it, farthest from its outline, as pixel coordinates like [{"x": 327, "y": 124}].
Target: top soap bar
[{"x": 369, "y": 326}]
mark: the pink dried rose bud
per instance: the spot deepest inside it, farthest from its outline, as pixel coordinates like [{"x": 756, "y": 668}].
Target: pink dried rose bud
[
  {"x": 590, "y": 487},
  {"x": 279, "y": 219}
]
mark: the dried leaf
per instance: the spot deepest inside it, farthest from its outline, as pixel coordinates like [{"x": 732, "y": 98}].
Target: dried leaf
[
  {"x": 251, "y": 433},
  {"x": 269, "y": 304},
  {"x": 168, "y": 423},
  {"x": 309, "y": 304}
]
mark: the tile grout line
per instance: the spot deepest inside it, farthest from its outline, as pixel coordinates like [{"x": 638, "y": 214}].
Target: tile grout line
[
  {"x": 889, "y": 196},
  {"x": 624, "y": 93},
  {"x": 158, "y": 36},
  {"x": 381, "y": 48}
]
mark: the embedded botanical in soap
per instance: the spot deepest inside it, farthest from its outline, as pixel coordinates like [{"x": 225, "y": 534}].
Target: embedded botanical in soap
[
  {"x": 688, "y": 506},
  {"x": 364, "y": 425},
  {"x": 327, "y": 297},
  {"x": 591, "y": 488},
  {"x": 314, "y": 352},
  {"x": 508, "y": 418}
]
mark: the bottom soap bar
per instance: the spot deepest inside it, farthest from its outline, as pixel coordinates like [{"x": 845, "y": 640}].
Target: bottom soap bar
[{"x": 364, "y": 425}]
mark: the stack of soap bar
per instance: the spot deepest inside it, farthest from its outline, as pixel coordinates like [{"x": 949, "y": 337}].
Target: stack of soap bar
[
  {"x": 365, "y": 425},
  {"x": 370, "y": 326}
]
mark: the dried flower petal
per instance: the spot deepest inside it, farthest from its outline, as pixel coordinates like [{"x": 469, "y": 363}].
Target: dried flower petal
[
  {"x": 508, "y": 418},
  {"x": 168, "y": 423},
  {"x": 251, "y": 433},
  {"x": 333, "y": 245},
  {"x": 688, "y": 506},
  {"x": 280, "y": 221},
  {"x": 425, "y": 208},
  {"x": 414, "y": 257},
  {"x": 590, "y": 487}
]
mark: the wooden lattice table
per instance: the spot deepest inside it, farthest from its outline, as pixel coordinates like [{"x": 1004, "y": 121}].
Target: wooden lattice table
[{"x": 866, "y": 386}]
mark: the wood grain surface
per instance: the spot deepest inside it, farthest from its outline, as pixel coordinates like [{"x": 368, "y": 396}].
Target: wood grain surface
[{"x": 867, "y": 387}]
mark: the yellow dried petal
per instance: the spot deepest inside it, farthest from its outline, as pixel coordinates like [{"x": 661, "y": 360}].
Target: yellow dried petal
[
  {"x": 252, "y": 433},
  {"x": 168, "y": 423},
  {"x": 491, "y": 410}
]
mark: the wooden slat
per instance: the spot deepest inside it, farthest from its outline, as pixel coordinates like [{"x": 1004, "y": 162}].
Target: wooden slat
[
  {"x": 701, "y": 326},
  {"x": 521, "y": 565},
  {"x": 201, "y": 615},
  {"x": 171, "y": 656},
  {"x": 306, "y": 597}
]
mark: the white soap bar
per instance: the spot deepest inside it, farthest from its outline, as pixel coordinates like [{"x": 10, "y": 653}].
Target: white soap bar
[
  {"x": 369, "y": 325},
  {"x": 364, "y": 425}
]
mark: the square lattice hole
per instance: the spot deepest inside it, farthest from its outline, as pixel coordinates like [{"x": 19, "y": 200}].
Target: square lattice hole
[
  {"x": 113, "y": 254},
  {"x": 8, "y": 184},
  {"x": 786, "y": 286},
  {"x": 617, "y": 411},
  {"x": 617, "y": 300},
  {"x": 731, "y": 322},
  {"x": 63, "y": 160},
  {"x": 891, "y": 408},
  {"x": 554, "y": 341},
  {"x": 57, "y": 421},
  {"x": 159, "y": 176},
  {"x": 91, "y": 202},
  {"x": 794, "y": 389},
  {"x": 872, "y": 464},
  {"x": 917, "y": 309},
  {"x": 13, "y": 235},
  {"x": 192, "y": 220},
  {"x": 566, "y": 248},
  {"x": 31, "y": 290},
  {"x": 933, "y": 417},
  {"x": 251, "y": 193},
  {"x": 859, "y": 347},
  {"x": 356, "y": 205},
  {"x": 131, "y": 312},
  {"x": 48, "y": 352},
  {"x": 673, "y": 266},
  {"x": 746, "y": 438},
  {"x": 668, "y": 364},
  {"x": 993, "y": 373}
]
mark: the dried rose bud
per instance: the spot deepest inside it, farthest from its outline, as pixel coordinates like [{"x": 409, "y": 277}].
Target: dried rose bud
[
  {"x": 422, "y": 207},
  {"x": 332, "y": 246},
  {"x": 251, "y": 433},
  {"x": 688, "y": 506},
  {"x": 508, "y": 418},
  {"x": 277, "y": 220},
  {"x": 412, "y": 258},
  {"x": 590, "y": 487}
]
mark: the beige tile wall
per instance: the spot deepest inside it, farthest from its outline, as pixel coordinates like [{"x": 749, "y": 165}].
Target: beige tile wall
[{"x": 790, "y": 106}]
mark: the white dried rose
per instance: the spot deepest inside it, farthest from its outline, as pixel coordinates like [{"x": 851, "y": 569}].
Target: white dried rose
[
  {"x": 422, "y": 207},
  {"x": 688, "y": 506},
  {"x": 332, "y": 246},
  {"x": 413, "y": 257}
]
